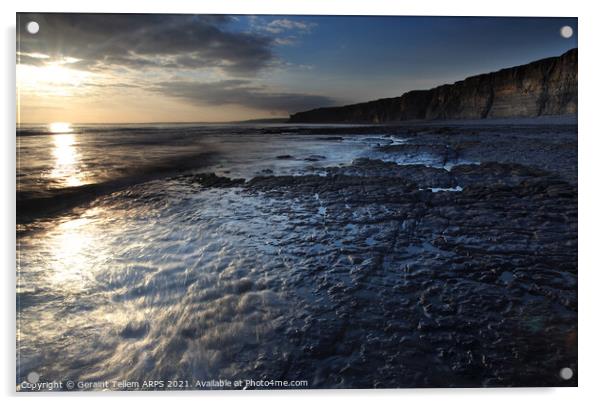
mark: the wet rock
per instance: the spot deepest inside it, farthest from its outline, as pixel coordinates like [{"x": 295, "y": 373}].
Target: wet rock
[
  {"x": 135, "y": 330},
  {"x": 210, "y": 180},
  {"x": 490, "y": 174},
  {"x": 423, "y": 176},
  {"x": 453, "y": 288},
  {"x": 314, "y": 158},
  {"x": 364, "y": 268}
]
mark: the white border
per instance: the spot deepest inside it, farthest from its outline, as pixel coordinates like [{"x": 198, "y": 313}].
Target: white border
[{"x": 590, "y": 136}]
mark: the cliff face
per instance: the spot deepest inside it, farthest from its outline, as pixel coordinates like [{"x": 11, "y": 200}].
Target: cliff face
[{"x": 544, "y": 87}]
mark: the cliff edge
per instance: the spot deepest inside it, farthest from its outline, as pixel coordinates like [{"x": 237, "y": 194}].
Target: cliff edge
[{"x": 544, "y": 87}]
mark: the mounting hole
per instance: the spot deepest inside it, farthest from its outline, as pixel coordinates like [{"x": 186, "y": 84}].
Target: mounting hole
[
  {"x": 566, "y": 373},
  {"x": 566, "y": 31},
  {"x": 33, "y": 377},
  {"x": 33, "y": 27}
]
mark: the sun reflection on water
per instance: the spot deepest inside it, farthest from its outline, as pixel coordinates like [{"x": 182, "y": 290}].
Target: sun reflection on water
[
  {"x": 74, "y": 247},
  {"x": 67, "y": 166}
]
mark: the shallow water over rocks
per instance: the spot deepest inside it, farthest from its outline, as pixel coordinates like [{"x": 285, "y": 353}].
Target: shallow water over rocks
[{"x": 351, "y": 274}]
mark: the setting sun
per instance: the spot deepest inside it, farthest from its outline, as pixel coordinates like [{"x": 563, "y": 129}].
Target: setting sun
[{"x": 60, "y": 127}]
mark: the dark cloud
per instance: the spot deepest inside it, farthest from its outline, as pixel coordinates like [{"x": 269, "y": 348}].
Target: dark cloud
[
  {"x": 145, "y": 40},
  {"x": 242, "y": 92},
  {"x": 31, "y": 60}
]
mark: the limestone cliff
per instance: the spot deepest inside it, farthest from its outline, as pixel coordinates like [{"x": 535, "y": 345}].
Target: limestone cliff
[{"x": 544, "y": 87}]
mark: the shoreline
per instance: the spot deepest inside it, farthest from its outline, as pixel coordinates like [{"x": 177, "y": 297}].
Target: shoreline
[{"x": 472, "y": 255}]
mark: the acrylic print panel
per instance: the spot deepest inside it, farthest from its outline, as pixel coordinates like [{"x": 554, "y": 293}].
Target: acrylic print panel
[{"x": 295, "y": 202}]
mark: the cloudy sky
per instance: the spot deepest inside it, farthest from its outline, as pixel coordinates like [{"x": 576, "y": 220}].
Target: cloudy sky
[{"x": 177, "y": 68}]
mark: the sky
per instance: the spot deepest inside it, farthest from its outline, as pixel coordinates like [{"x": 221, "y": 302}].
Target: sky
[{"x": 116, "y": 68}]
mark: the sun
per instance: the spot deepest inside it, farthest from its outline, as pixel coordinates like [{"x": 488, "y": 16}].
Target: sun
[{"x": 60, "y": 127}]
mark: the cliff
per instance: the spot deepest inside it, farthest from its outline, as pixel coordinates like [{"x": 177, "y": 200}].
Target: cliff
[{"x": 544, "y": 87}]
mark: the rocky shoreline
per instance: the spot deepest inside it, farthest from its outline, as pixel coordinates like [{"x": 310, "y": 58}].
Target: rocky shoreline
[
  {"x": 439, "y": 256},
  {"x": 461, "y": 275}
]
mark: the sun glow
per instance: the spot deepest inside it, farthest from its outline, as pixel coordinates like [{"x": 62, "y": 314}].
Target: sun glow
[
  {"x": 51, "y": 79},
  {"x": 60, "y": 127},
  {"x": 59, "y": 74}
]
